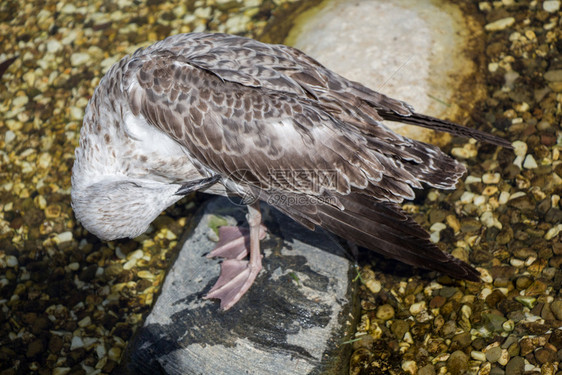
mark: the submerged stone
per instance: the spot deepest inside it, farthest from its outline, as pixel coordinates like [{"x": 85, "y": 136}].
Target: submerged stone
[{"x": 295, "y": 319}]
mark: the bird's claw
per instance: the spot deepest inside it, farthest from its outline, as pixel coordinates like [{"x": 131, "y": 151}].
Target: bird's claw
[{"x": 237, "y": 275}]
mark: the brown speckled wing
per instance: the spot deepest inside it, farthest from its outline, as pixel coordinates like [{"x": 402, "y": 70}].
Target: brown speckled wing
[
  {"x": 250, "y": 134},
  {"x": 250, "y": 123}
]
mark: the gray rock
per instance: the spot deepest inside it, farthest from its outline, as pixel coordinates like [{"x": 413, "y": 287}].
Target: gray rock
[
  {"x": 515, "y": 366},
  {"x": 294, "y": 320},
  {"x": 553, "y": 75},
  {"x": 457, "y": 362},
  {"x": 428, "y": 369},
  {"x": 497, "y": 371},
  {"x": 556, "y": 308},
  {"x": 493, "y": 354}
]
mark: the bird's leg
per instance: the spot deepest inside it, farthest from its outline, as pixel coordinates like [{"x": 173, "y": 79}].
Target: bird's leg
[{"x": 238, "y": 275}]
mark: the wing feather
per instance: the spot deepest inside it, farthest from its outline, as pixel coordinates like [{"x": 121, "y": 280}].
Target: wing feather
[
  {"x": 379, "y": 226},
  {"x": 281, "y": 133}
]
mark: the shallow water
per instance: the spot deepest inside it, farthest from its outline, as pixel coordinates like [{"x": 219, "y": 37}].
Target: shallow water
[{"x": 69, "y": 303}]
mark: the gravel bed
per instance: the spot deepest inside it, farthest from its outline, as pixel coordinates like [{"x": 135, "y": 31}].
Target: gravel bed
[
  {"x": 505, "y": 218},
  {"x": 69, "y": 303}
]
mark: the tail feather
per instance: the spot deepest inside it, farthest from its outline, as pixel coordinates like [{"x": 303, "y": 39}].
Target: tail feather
[
  {"x": 382, "y": 227},
  {"x": 434, "y": 123}
]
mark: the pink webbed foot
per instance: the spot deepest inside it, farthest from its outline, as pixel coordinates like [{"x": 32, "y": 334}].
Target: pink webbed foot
[
  {"x": 234, "y": 242},
  {"x": 237, "y": 275}
]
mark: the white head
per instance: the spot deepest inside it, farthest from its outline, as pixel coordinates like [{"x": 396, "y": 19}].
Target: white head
[{"x": 118, "y": 207}]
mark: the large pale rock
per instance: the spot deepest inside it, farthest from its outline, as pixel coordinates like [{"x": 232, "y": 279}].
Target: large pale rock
[{"x": 411, "y": 50}]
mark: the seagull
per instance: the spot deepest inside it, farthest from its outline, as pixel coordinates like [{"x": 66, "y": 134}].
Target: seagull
[{"x": 232, "y": 116}]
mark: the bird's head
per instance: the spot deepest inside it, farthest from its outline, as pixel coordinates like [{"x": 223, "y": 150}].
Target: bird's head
[{"x": 116, "y": 207}]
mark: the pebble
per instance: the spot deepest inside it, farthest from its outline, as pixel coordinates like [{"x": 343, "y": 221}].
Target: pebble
[
  {"x": 537, "y": 288},
  {"x": 35, "y": 348},
  {"x": 435, "y": 231},
  {"x": 418, "y": 307},
  {"x": 467, "y": 197},
  {"x": 76, "y": 113},
  {"x": 496, "y": 371},
  {"x": 485, "y": 275},
  {"x": 237, "y": 24},
  {"x": 11, "y": 261},
  {"x": 52, "y": 211},
  {"x": 466, "y": 311},
  {"x": 410, "y": 367},
  {"x": 101, "y": 351},
  {"x": 137, "y": 254},
  {"x": 519, "y": 148},
  {"x": 61, "y": 370},
  {"x": 89, "y": 342},
  {"x": 428, "y": 369},
  {"x": 472, "y": 179},
  {"x": 517, "y": 263},
  {"x": 144, "y": 274},
  {"x": 9, "y": 136},
  {"x": 79, "y": 58},
  {"x": 529, "y": 302},
  {"x": 530, "y": 162},
  {"x": 461, "y": 341},
  {"x": 504, "y": 197},
  {"x": 504, "y": 357},
  {"x": 129, "y": 264},
  {"x": 113, "y": 270},
  {"x": 466, "y": 152},
  {"x": 494, "y": 321},
  {"x": 491, "y": 178},
  {"x": 74, "y": 266},
  {"x": 44, "y": 160},
  {"x": 553, "y": 232},
  {"x": 85, "y": 322},
  {"x": 63, "y": 237},
  {"x": 54, "y": 46},
  {"x": 556, "y": 308},
  {"x": 551, "y": 6},
  {"x": 457, "y": 362},
  {"x": 399, "y": 328},
  {"x": 204, "y": 13},
  {"x": 68, "y": 9},
  {"x": 493, "y": 354},
  {"x": 19, "y": 101},
  {"x": 408, "y": 338},
  {"x": 490, "y": 221},
  {"x": 517, "y": 195},
  {"x": 479, "y": 200},
  {"x": 508, "y": 325},
  {"x": 544, "y": 355},
  {"x": 373, "y": 285},
  {"x": 500, "y": 24},
  {"x": 114, "y": 353},
  {"x": 515, "y": 366},
  {"x": 553, "y": 75},
  {"x": 478, "y": 355},
  {"x": 454, "y": 223},
  {"x": 385, "y": 312},
  {"x": 490, "y": 190},
  {"x": 76, "y": 343}
]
